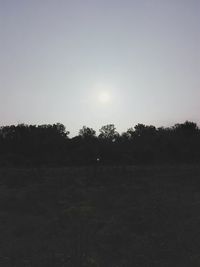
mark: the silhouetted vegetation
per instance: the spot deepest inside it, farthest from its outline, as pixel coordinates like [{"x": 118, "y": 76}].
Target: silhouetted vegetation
[
  {"x": 116, "y": 211},
  {"x": 51, "y": 145}
]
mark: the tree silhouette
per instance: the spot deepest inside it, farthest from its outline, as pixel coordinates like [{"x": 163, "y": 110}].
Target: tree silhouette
[
  {"x": 87, "y": 133},
  {"x": 50, "y": 144},
  {"x": 108, "y": 132}
]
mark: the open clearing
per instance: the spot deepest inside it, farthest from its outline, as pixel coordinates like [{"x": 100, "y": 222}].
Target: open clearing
[{"x": 102, "y": 216}]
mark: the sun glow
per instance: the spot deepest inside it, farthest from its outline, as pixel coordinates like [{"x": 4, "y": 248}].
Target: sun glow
[{"x": 104, "y": 97}]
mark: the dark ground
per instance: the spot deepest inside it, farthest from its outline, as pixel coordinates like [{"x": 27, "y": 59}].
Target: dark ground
[{"x": 100, "y": 216}]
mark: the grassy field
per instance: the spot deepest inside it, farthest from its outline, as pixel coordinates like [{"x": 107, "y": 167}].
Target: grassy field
[{"x": 101, "y": 216}]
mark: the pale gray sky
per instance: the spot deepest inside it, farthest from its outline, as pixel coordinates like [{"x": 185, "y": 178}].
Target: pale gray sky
[{"x": 58, "y": 56}]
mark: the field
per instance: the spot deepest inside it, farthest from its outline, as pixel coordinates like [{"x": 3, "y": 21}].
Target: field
[{"x": 100, "y": 216}]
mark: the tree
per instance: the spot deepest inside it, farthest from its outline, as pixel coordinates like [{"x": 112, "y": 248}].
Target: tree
[
  {"x": 61, "y": 130},
  {"x": 187, "y": 128},
  {"x": 108, "y": 132},
  {"x": 144, "y": 130},
  {"x": 87, "y": 133},
  {"x": 128, "y": 135}
]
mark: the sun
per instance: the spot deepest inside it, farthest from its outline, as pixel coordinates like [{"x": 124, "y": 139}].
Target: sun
[{"x": 104, "y": 97}]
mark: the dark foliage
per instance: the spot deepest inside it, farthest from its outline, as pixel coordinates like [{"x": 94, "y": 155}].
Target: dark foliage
[{"x": 50, "y": 145}]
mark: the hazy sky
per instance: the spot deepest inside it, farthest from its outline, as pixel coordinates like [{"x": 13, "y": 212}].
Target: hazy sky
[{"x": 94, "y": 62}]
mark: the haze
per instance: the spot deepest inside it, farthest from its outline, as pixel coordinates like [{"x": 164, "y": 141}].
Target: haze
[{"x": 59, "y": 56}]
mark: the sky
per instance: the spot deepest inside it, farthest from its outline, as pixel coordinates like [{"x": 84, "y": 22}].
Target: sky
[{"x": 97, "y": 62}]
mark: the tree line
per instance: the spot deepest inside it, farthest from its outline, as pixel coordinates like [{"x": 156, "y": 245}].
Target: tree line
[{"x": 142, "y": 144}]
